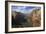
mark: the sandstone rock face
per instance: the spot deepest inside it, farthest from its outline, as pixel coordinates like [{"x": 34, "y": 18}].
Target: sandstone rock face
[{"x": 36, "y": 18}]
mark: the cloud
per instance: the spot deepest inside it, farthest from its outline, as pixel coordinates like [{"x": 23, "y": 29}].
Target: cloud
[{"x": 23, "y": 9}]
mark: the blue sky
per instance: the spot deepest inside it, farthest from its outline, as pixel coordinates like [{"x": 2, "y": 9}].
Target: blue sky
[{"x": 23, "y": 9}]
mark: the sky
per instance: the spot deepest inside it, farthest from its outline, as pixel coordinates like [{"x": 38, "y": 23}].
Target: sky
[{"x": 23, "y": 9}]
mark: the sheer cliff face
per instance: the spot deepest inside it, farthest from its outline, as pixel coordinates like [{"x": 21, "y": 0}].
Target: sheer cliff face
[
  {"x": 36, "y": 18},
  {"x": 14, "y": 14}
]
